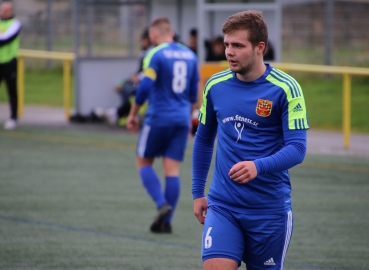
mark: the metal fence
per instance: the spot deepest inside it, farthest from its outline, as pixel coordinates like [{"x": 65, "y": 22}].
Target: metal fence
[
  {"x": 326, "y": 32},
  {"x": 101, "y": 30},
  {"x": 313, "y": 32}
]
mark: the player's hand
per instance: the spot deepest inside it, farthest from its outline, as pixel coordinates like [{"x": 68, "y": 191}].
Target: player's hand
[
  {"x": 243, "y": 172},
  {"x": 132, "y": 122},
  {"x": 200, "y": 208}
]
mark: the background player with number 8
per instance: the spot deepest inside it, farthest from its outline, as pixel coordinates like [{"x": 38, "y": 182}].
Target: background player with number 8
[{"x": 170, "y": 84}]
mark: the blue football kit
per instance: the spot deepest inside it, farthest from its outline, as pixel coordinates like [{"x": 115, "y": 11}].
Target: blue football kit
[
  {"x": 170, "y": 84},
  {"x": 263, "y": 121}
]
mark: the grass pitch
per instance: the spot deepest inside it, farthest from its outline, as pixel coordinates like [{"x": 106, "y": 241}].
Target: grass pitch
[{"x": 71, "y": 198}]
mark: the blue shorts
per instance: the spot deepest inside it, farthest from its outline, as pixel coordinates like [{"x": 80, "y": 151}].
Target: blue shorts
[
  {"x": 167, "y": 141},
  {"x": 260, "y": 241}
]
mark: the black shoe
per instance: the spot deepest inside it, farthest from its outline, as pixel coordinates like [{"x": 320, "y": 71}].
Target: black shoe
[
  {"x": 163, "y": 212},
  {"x": 163, "y": 228},
  {"x": 166, "y": 228}
]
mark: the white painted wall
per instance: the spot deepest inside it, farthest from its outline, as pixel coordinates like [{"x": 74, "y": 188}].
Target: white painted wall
[{"x": 97, "y": 78}]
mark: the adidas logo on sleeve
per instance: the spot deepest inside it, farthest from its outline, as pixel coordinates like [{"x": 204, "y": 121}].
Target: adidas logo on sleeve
[{"x": 298, "y": 108}]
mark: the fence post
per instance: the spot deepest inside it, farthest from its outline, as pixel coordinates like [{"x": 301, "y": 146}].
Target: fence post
[
  {"x": 67, "y": 87},
  {"x": 20, "y": 85},
  {"x": 346, "y": 109}
]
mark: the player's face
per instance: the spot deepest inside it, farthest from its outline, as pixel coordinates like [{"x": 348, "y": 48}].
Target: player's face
[
  {"x": 6, "y": 11},
  {"x": 240, "y": 53},
  {"x": 192, "y": 42}
]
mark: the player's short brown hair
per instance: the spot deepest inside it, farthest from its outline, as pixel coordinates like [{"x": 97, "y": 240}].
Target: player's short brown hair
[
  {"x": 163, "y": 25},
  {"x": 251, "y": 20}
]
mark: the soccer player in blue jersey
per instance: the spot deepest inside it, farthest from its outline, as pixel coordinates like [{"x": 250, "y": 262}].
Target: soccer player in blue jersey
[
  {"x": 258, "y": 115},
  {"x": 170, "y": 84}
]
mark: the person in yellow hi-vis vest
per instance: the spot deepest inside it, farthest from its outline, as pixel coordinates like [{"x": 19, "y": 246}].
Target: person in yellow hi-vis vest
[{"x": 9, "y": 45}]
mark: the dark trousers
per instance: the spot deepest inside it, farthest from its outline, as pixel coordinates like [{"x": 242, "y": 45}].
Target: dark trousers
[
  {"x": 8, "y": 72},
  {"x": 128, "y": 89}
]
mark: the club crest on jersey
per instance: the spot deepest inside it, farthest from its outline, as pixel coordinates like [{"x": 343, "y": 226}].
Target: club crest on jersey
[{"x": 264, "y": 107}]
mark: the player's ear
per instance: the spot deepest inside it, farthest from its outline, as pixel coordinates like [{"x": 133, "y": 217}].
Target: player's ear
[{"x": 260, "y": 48}]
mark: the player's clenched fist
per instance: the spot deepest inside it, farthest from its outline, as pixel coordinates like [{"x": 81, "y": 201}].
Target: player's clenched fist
[
  {"x": 243, "y": 171},
  {"x": 132, "y": 122},
  {"x": 200, "y": 206}
]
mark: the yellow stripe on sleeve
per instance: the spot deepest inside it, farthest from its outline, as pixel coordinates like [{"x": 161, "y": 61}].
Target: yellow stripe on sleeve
[{"x": 150, "y": 72}]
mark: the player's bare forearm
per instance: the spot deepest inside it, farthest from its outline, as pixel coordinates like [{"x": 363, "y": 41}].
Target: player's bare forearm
[
  {"x": 243, "y": 172},
  {"x": 200, "y": 207}
]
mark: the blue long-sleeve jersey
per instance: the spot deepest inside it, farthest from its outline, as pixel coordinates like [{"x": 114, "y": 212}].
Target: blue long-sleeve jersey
[
  {"x": 170, "y": 84},
  {"x": 264, "y": 121}
]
